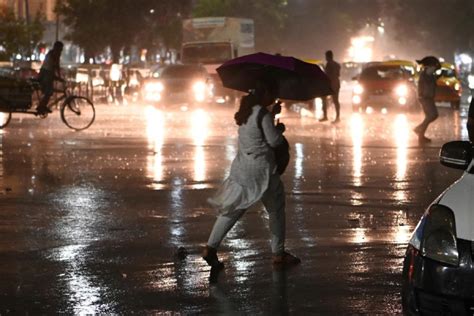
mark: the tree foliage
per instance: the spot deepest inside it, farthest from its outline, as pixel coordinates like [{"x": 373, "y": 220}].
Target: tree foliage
[
  {"x": 438, "y": 26},
  {"x": 97, "y": 24},
  {"x": 269, "y": 17},
  {"x": 16, "y": 36}
]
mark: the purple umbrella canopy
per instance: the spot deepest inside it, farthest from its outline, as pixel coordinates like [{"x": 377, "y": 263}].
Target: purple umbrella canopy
[{"x": 295, "y": 79}]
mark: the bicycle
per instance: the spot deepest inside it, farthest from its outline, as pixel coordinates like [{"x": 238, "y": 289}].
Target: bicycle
[{"x": 77, "y": 112}]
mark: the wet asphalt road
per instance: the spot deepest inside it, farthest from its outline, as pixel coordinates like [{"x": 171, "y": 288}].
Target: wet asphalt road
[{"x": 93, "y": 221}]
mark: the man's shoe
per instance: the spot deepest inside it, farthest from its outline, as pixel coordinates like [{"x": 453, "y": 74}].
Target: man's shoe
[
  {"x": 323, "y": 119},
  {"x": 285, "y": 259},
  {"x": 209, "y": 254},
  {"x": 336, "y": 120},
  {"x": 43, "y": 110}
]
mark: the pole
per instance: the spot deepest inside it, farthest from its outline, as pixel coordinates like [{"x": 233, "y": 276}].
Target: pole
[
  {"x": 27, "y": 19},
  {"x": 57, "y": 20},
  {"x": 27, "y": 12}
]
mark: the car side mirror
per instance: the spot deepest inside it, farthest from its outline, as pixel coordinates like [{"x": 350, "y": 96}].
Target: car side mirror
[{"x": 456, "y": 154}]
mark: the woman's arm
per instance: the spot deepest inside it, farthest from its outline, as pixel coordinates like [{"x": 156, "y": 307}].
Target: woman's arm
[{"x": 272, "y": 134}]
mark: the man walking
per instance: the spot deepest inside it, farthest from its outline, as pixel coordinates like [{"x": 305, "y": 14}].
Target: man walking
[
  {"x": 426, "y": 96},
  {"x": 333, "y": 70}
]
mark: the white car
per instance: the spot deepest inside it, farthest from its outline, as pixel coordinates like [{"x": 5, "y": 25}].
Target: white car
[{"x": 438, "y": 270}]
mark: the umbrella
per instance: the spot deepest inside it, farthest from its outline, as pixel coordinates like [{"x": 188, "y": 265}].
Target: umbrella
[
  {"x": 294, "y": 78},
  {"x": 429, "y": 61}
]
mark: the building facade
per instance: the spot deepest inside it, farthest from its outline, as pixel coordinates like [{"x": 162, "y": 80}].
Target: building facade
[{"x": 30, "y": 8}]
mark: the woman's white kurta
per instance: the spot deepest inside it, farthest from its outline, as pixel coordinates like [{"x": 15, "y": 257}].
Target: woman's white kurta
[{"x": 252, "y": 167}]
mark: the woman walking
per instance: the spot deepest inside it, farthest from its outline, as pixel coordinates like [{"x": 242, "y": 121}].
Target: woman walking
[{"x": 253, "y": 176}]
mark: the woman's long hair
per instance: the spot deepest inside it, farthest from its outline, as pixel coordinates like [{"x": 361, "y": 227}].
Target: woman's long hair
[
  {"x": 253, "y": 98},
  {"x": 245, "y": 110}
]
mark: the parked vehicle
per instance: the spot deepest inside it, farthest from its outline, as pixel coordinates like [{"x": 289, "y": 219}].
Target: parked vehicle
[
  {"x": 448, "y": 86},
  {"x": 438, "y": 270},
  {"x": 22, "y": 73}
]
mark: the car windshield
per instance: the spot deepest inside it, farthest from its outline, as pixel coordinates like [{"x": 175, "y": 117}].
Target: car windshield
[
  {"x": 446, "y": 72},
  {"x": 384, "y": 73},
  {"x": 207, "y": 53},
  {"x": 182, "y": 72}
]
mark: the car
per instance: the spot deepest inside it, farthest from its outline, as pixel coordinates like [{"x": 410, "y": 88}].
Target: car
[
  {"x": 385, "y": 86},
  {"x": 438, "y": 268},
  {"x": 448, "y": 86},
  {"x": 178, "y": 84}
]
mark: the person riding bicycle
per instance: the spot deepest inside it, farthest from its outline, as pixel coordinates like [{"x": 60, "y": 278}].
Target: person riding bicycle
[{"x": 50, "y": 71}]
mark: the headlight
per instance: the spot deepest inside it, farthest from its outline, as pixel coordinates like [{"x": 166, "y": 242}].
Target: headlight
[
  {"x": 470, "y": 80},
  {"x": 401, "y": 90},
  {"x": 356, "y": 99},
  {"x": 154, "y": 87},
  {"x": 438, "y": 241},
  {"x": 457, "y": 86},
  {"x": 358, "y": 89},
  {"x": 134, "y": 82},
  {"x": 199, "y": 87}
]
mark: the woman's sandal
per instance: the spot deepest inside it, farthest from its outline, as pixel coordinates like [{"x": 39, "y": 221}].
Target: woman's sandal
[
  {"x": 209, "y": 254},
  {"x": 285, "y": 259}
]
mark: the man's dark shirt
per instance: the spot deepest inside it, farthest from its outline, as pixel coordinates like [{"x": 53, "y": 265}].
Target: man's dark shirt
[{"x": 333, "y": 70}]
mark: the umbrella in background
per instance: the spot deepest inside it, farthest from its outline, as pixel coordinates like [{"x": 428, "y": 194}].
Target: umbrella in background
[
  {"x": 295, "y": 79},
  {"x": 429, "y": 61}
]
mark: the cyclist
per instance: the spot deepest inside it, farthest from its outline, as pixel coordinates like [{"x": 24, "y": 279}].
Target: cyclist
[{"x": 50, "y": 71}]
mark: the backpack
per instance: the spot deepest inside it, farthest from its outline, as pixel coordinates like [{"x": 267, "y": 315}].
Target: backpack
[{"x": 281, "y": 151}]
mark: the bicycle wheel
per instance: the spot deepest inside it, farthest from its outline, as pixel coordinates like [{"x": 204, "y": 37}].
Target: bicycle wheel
[
  {"x": 5, "y": 118},
  {"x": 78, "y": 113}
]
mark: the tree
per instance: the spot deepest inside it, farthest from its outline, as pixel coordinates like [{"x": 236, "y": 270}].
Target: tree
[
  {"x": 269, "y": 17},
  {"x": 97, "y": 24},
  {"x": 85, "y": 25},
  {"x": 163, "y": 24},
  {"x": 437, "y": 26},
  {"x": 16, "y": 36}
]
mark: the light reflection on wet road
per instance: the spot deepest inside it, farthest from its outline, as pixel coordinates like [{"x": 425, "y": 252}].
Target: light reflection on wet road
[{"x": 111, "y": 220}]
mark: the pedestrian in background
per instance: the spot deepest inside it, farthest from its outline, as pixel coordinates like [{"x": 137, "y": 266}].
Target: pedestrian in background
[
  {"x": 426, "y": 96},
  {"x": 253, "y": 177},
  {"x": 333, "y": 71}
]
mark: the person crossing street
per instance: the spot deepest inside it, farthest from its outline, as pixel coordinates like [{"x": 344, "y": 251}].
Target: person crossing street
[{"x": 333, "y": 71}]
